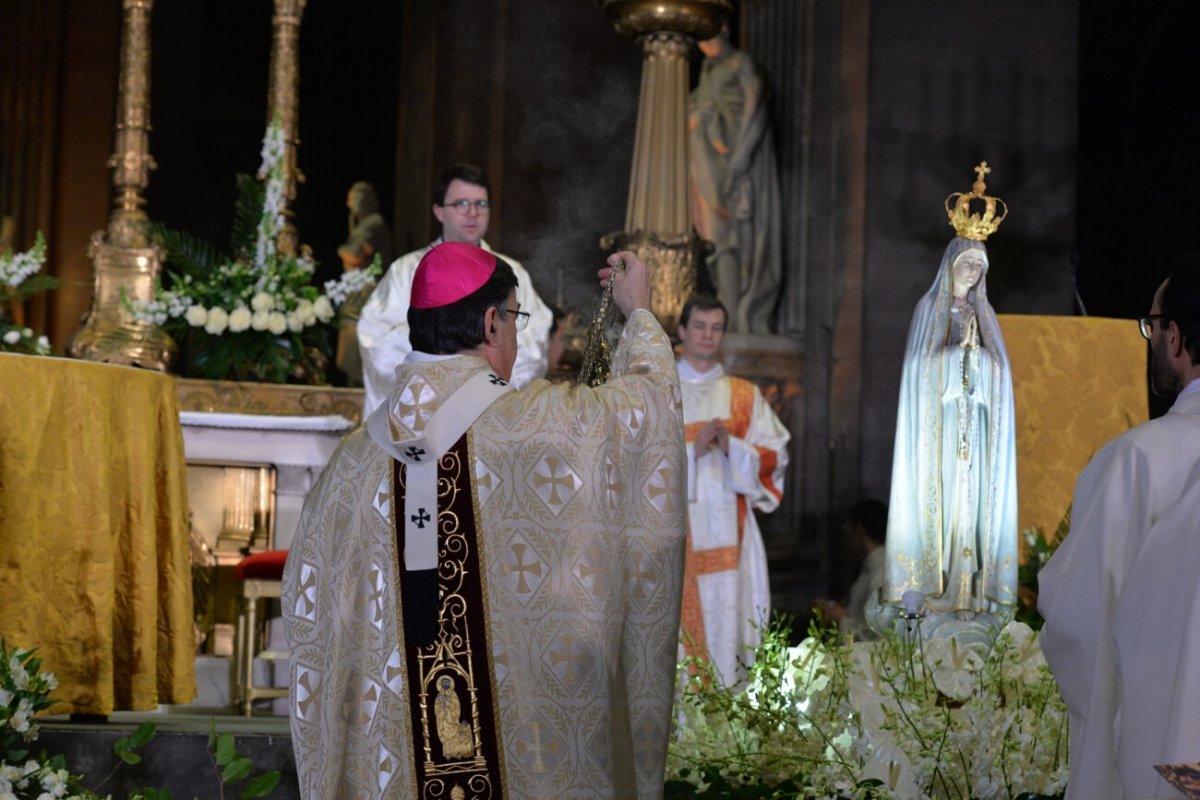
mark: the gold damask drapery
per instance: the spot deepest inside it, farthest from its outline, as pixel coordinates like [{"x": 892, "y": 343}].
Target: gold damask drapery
[
  {"x": 94, "y": 566},
  {"x": 1078, "y": 382}
]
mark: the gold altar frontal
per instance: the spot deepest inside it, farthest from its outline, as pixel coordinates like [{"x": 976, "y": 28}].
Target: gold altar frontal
[{"x": 94, "y": 532}]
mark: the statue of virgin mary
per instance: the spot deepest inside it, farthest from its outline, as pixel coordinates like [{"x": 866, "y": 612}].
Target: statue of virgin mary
[{"x": 952, "y": 522}]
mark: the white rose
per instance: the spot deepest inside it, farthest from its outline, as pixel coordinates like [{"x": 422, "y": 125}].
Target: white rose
[
  {"x": 218, "y": 320},
  {"x": 259, "y": 320},
  {"x": 262, "y": 302},
  {"x": 28, "y": 333},
  {"x": 44, "y": 342},
  {"x": 323, "y": 309},
  {"x": 196, "y": 316},
  {"x": 239, "y": 319},
  {"x": 277, "y": 324},
  {"x": 295, "y": 322},
  {"x": 12, "y": 337}
]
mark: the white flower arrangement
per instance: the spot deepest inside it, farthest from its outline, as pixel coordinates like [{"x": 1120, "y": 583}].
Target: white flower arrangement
[
  {"x": 255, "y": 314},
  {"x": 19, "y": 280},
  {"x": 889, "y": 719}
]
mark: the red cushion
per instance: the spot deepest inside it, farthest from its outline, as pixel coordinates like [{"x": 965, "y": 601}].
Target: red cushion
[{"x": 267, "y": 566}]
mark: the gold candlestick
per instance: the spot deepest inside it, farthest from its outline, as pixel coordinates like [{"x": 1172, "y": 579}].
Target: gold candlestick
[{"x": 125, "y": 262}]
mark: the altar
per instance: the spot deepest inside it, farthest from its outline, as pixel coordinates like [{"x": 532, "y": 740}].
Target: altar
[{"x": 94, "y": 531}]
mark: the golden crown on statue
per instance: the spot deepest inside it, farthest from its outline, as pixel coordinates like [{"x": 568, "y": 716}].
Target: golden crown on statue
[{"x": 974, "y": 226}]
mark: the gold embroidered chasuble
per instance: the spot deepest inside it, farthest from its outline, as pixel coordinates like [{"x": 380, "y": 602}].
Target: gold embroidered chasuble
[{"x": 578, "y": 494}]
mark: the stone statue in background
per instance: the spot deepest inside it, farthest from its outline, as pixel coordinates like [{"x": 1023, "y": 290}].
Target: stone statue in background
[
  {"x": 369, "y": 236},
  {"x": 952, "y": 523},
  {"x": 734, "y": 183}
]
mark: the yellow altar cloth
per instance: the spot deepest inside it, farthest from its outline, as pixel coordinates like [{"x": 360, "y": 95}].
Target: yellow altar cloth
[
  {"x": 94, "y": 562},
  {"x": 1078, "y": 382}
]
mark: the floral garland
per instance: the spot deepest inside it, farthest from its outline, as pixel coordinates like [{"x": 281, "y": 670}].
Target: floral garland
[
  {"x": 896, "y": 718},
  {"x": 19, "y": 280},
  {"x": 261, "y": 292}
]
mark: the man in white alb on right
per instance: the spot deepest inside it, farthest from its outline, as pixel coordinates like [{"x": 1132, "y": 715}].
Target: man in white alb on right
[
  {"x": 737, "y": 457},
  {"x": 1119, "y": 498}
]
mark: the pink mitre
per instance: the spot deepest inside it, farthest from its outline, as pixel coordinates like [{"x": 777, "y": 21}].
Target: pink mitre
[{"x": 449, "y": 272}]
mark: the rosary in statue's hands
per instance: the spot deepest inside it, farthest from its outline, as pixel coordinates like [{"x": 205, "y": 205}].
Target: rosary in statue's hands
[{"x": 712, "y": 434}]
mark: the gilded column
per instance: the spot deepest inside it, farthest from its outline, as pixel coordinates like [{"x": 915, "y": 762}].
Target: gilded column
[
  {"x": 283, "y": 101},
  {"x": 125, "y": 261},
  {"x": 658, "y": 225}
]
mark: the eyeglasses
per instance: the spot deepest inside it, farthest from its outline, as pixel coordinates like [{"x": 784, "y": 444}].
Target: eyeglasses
[
  {"x": 522, "y": 317},
  {"x": 1146, "y": 324},
  {"x": 463, "y": 206}
]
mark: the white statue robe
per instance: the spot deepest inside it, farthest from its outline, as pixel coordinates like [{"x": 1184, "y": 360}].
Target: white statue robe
[
  {"x": 1157, "y": 639},
  {"x": 1118, "y": 498},
  {"x": 383, "y": 327},
  {"x": 579, "y": 496},
  {"x": 727, "y": 594}
]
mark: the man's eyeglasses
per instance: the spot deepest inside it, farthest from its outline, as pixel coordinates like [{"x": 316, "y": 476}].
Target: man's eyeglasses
[
  {"x": 463, "y": 206},
  {"x": 1146, "y": 325},
  {"x": 522, "y": 317}
]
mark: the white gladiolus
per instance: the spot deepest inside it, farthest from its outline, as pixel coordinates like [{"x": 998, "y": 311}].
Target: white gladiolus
[
  {"x": 262, "y": 302},
  {"x": 239, "y": 319},
  {"x": 260, "y": 320},
  {"x": 277, "y": 323},
  {"x": 196, "y": 316},
  {"x": 218, "y": 320}
]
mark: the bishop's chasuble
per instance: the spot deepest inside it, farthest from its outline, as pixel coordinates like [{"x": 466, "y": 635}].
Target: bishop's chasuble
[
  {"x": 547, "y": 668},
  {"x": 726, "y": 593}
]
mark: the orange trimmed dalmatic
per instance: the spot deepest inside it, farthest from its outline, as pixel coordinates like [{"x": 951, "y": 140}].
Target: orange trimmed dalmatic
[{"x": 720, "y": 559}]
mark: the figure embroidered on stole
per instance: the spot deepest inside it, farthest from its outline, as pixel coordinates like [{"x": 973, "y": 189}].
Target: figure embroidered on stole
[{"x": 455, "y": 724}]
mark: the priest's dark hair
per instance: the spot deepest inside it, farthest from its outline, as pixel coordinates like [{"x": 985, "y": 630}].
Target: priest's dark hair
[
  {"x": 701, "y": 302},
  {"x": 1181, "y": 301},
  {"x": 456, "y": 327},
  {"x": 467, "y": 173}
]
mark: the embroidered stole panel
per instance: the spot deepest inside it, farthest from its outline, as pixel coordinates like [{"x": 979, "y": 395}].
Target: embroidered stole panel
[{"x": 443, "y": 618}]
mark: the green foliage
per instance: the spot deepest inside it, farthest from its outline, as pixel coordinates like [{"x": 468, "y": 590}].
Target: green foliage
[
  {"x": 1040, "y": 551},
  {"x": 126, "y": 748},
  {"x": 897, "y": 718},
  {"x": 235, "y": 767},
  {"x": 247, "y": 209}
]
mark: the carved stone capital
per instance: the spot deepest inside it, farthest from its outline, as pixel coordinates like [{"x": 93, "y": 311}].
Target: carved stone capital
[{"x": 665, "y": 44}]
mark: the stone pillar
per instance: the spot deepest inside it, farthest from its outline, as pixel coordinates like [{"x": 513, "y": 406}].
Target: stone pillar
[
  {"x": 658, "y": 225},
  {"x": 126, "y": 263},
  {"x": 283, "y": 101}
]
